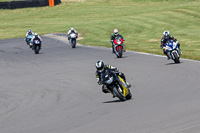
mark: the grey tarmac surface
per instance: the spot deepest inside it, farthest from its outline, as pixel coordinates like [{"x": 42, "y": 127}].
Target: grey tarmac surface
[{"x": 56, "y": 91}]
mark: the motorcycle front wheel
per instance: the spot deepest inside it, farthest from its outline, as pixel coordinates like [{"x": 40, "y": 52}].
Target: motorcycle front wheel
[
  {"x": 37, "y": 49},
  {"x": 73, "y": 43},
  {"x": 119, "y": 52},
  {"x": 176, "y": 60},
  {"x": 116, "y": 91}
]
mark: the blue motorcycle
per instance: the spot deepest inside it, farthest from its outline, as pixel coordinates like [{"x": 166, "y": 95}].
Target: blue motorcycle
[
  {"x": 172, "y": 50},
  {"x": 36, "y": 46},
  {"x": 28, "y": 40}
]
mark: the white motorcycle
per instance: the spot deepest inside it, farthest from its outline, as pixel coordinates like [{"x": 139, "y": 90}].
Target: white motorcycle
[
  {"x": 72, "y": 39},
  {"x": 172, "y": 50}
]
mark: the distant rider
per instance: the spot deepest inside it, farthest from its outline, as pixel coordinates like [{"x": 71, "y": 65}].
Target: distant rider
[
  {"x": 28, "y": 33},
  {"x": 101, "y": 67},
  {"x": 113, "y": 36},
  {"x": 167, "y": 37},
  {"x": 72, "y": 30},
  {"x": 37, "y": 37}
]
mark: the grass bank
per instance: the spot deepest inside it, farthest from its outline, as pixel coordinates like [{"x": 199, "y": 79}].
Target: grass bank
[{"x": 141, "y": 22}]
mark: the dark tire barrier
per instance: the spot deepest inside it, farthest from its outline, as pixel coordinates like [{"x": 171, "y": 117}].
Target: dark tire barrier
[{"x": 25, "y": 4}]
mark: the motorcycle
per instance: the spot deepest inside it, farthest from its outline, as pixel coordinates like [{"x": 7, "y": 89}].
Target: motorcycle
[
  {"x": 28, "y": 40},
  {"x": 118, "y": 47},
  {"x": 115, "y": 85},
  {"x": 36, "y": 46},
  {"x": 172, "y": 50},
  {"x": 72, "y": 39}
]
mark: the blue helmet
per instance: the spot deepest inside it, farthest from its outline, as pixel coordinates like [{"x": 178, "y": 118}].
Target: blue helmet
[{"x": 29, "y": 30}]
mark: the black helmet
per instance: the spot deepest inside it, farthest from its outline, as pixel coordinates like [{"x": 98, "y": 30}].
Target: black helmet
[{"x": 100, "y": 66}]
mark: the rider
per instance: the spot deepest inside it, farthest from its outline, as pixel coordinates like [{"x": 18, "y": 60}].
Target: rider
[
  {"x": 101, "y": 67},
  {"x": 37, "y": 37},
  {"x": 28, "y": 33},
  {"x": 72, "y": 30},
  {"x": 165, "y": 38},
  {"x": 112, "y": 37}
]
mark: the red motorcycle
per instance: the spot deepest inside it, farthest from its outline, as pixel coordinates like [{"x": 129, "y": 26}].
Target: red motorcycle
[{"x": 118, "y": 46}]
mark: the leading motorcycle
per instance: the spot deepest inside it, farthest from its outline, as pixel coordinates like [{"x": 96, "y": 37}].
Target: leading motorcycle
[
  {"x": 115, "y": 85},
  {"x": 72, "y": 39},
  {"x": 118, "y": 46},
  {"x": 172, "y": 50},
  {"x": 36, "y": 46}
]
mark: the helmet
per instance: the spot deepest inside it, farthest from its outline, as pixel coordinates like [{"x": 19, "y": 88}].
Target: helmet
[
  {"x": 29, "y": 30},
  {"x": 115, "y": 32},
  {"x": 36, "y": 34},
  {"x": 166, "y": 34},
  {"x": 72, "y": 28},
  {"x": 100, "y": 66}
]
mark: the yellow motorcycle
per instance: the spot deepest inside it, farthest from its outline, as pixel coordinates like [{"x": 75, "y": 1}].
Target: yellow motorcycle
[{"x": 115, "y": 85}]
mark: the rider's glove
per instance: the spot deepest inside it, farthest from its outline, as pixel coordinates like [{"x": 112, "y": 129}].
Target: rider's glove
[{"x": 116, "y": 71}]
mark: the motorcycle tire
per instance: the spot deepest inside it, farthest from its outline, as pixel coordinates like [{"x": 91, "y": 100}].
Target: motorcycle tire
[
  {"x": 73, "y": 43},
  {"x": 129, "y": 96},
  {"x": 176, "y": 60},
  {"x": 120, "y": 53},
  {"x": 37, "y": 50},
  {"x": 119, "y": 94}
]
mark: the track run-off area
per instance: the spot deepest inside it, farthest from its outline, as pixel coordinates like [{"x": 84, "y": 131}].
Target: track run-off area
[{"x": 56, "y": 91}]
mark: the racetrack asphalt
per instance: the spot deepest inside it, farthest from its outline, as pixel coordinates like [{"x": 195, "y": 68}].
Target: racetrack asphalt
[{"x": 56, "y": 91}]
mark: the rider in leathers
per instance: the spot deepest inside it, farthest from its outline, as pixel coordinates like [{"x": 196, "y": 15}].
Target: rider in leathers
[
  {"x": 101, "y": 67},
  {"x": 72, "y": 30},
  {"x": 112, "y": 37},
  {"x": 37, "y": 37},
  {"x": 165, "y": 38},
  {"x": 28, "y": 33}
]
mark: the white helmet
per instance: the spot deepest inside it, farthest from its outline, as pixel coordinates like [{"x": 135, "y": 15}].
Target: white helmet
[
  {"x": 36, "y": 34},
  {"x": 99, "y": 66},
  {"x": 166, "y": 34},
  {"x": 72, "y": 28},
  {"x": 115, "y": 31}
]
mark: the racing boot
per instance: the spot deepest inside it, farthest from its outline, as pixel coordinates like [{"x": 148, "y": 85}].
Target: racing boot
[
  {"x": 179, "y": 51},
  {"x": 113, "y": 49},
  {"x": 168, "y": 56},
  {"x": 104, "y": 89}
]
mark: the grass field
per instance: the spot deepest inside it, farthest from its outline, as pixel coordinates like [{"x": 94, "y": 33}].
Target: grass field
[{"x": 141, "y": 22}]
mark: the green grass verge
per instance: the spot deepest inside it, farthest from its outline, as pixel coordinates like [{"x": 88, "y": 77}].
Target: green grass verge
[
  {"x": 141, "y": 22},
  {"x": 8, "y": 0}
]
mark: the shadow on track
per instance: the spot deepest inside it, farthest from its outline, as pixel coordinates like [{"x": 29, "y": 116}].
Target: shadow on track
[
  {"x": 121, "y": 57},
  {"x": 173, "y": 63},
  {"x": 114, "y": 101}
]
